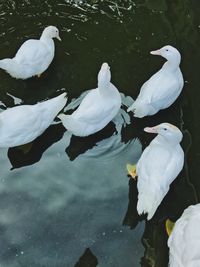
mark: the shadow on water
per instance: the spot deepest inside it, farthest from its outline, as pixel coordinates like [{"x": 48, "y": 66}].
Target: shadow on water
[
  {"x": 60, "y": 202},
  {"x": 32, "y": 153},
  {"x": 88, "y": 259},
  {"x": 132, "y": 218}
]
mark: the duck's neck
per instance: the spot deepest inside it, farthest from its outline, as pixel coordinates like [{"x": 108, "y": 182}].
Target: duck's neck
[
  {"x": 104, "y": 89},
  {"x": 46, "y": 39},
  {"x": 171, "y": 65},
  {"x": 159, "y": 139}
]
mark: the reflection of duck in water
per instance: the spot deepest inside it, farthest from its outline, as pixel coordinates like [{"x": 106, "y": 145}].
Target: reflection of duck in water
[
  {"x": 163, "y": 88},
  {"x": 33, "y": 57},
  {"x": 158, "y": 166},
  {"x": 97, "y": 108},
  {"x": 184, "y": 241},
  {"x": 22, "y": 124},
  {"x": 87, "y": 259}
]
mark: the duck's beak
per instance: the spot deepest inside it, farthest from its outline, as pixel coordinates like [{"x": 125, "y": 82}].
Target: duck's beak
[
  {"x": 58, "y": 37},
  {"x": 151, "y": 129},
  {"x": 156, "y": 52}
]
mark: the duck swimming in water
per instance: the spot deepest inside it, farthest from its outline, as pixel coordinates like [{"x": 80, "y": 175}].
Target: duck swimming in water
[
  {"x": 22, "y": 124},
  {"x": 158, "y": 166},
  {"x": 163, "y": 88},
  {"x": 33, "y": 57},
  {"x": 97, "y": 108}
]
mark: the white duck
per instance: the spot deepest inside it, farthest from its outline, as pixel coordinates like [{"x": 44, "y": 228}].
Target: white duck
[
  {"x": 163, "y": 88},
  {"x": 97, "y": 108},
  {"x": 184, "y": 241},
  {"x": 22, "y": 124},
  {"x": 33, "y": 57},
  {"x": 158, "y": 166}
]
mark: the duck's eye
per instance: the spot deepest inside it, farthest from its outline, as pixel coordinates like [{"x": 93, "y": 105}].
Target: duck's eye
[
  {"x": 165, "y": 129},
  {"x": 167, "y": 50}
]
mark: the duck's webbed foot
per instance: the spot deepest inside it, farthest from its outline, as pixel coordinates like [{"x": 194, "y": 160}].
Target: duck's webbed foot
[{"x": 131, "y": 170}]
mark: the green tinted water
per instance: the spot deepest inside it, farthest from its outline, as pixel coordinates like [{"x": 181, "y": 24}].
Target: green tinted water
[{"x": 58, "y": 199}]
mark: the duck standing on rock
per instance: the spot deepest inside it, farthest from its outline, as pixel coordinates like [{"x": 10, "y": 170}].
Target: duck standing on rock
[
  {"x": 163, "y": 88},
  {"x": 33, "y": 57},
  {"x": 159, "y": 165},
  {"x": 97, "y": 108},
  {"x": 22, "y": 124}
]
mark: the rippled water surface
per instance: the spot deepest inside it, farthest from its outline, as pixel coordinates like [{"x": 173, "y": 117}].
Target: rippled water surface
[{"x": 68, "y": 201}]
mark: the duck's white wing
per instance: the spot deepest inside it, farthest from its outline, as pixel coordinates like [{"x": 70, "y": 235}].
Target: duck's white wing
[
  {"x": 19, "y": 125},
  {"x": 20, "y": 117},
  {"x": 92, "y": 108},
  {"x": 160, "y": 87},
  {"x": 160, "y": 164},
  {"x": 184, "y": 241},
  {"x": 31, "y": 52},
  {"x": 153, "y": 162},
  {"x": 168, "y": 93}
]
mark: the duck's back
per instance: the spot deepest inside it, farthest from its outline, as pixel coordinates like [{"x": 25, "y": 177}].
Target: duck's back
[
  {"x": 22, "y": 124},
  {"x": 18, "y": 126},
  {"x": 184, "y": 241},
  {"x": 159, "y": 92},
  {"x": 162, "y": 88},
  {"x": 35, "y": 55},
  {"x": 94, "y": 112}
]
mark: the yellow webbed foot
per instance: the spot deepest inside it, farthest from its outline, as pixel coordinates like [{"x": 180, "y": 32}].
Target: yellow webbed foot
[
  {"x": 131, "y": 170},
  {"x": 169, "y": 225}
]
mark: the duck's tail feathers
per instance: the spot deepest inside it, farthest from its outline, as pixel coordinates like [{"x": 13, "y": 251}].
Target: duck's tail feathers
[
  {"x": 7, "y": 64},
  {"x": 53, "y": 106},
  {"x": 62, "y": 100},
  {"x": 3, "y": 64},
  {"x": 13, "y": 68},
  {"x": 149, "y": 202},
  {"x": 140, "y": 109},
  {"x": 72, "y": 125}
]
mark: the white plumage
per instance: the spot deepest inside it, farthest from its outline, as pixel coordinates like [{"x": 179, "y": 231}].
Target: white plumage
[
  {"x": 33, "y": 57},
  {"x": 158, "y": 166},
  {"x": 97, "y": 108},
  {"x": 163, "y": 88},
  {"x": 184, "y": 241},
  {"x": 22, "y": 124}
]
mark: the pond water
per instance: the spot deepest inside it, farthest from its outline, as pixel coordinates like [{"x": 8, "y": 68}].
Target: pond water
[{"x": 69, "y": 203}]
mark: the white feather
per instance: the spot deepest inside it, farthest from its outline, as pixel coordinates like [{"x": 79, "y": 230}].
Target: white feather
[
  {"x": 22, "y": 124},
  {"x": 184, "y": 241}
]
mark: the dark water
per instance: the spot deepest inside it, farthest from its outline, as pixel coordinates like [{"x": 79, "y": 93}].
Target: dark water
[{"x": 72, "y": 204}]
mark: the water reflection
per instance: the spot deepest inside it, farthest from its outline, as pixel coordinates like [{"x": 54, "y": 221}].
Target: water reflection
[
  {"x": 79, "y": 145},
  {"x": 32, "y": 153},
  {"x": 59, "y": 207},
  {"x": 132, "y": 218},
  {"x": 88, "y": 259}
]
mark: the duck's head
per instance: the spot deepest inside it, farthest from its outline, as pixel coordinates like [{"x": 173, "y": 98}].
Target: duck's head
[
  {"x": 51, "y": 32},
  {"x": 166, "y": 130},
  {"x": 104, "y": 75},
  {"x": 169, "y": 52}
]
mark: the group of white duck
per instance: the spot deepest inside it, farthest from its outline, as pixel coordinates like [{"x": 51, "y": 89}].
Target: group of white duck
[{"x": 161, "y": 161}]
